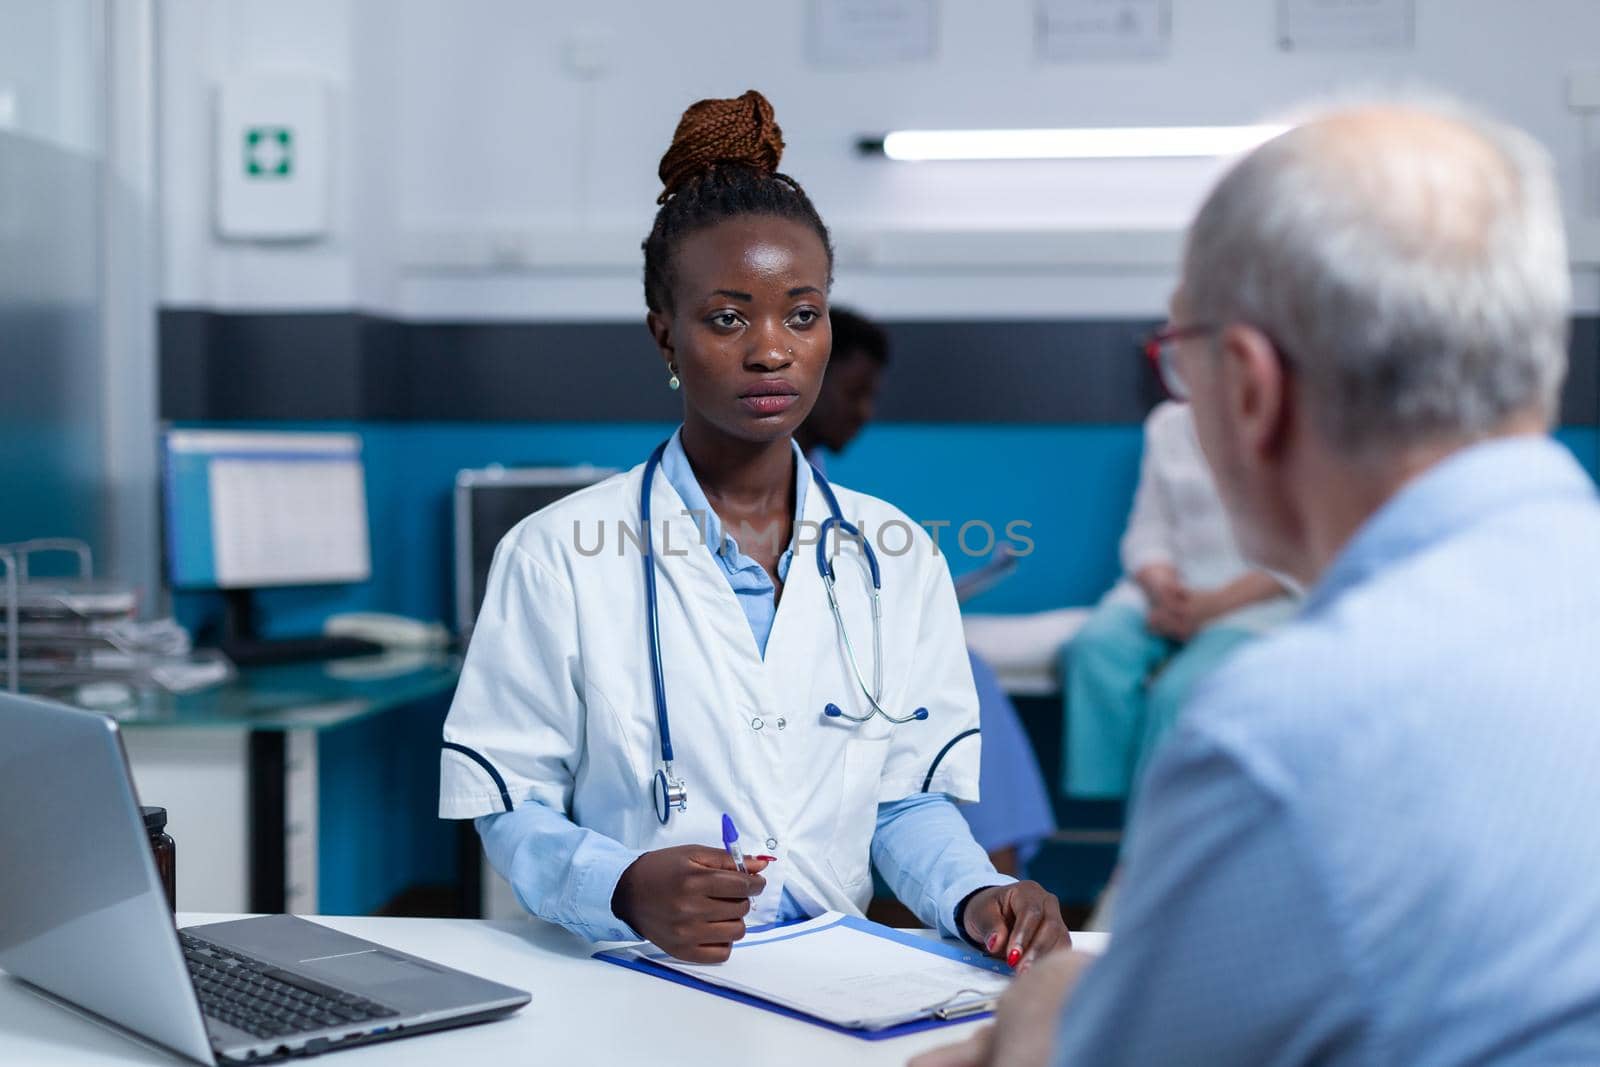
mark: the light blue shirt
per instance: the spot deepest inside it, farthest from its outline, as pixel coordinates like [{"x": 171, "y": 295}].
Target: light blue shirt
[
  {"x": 1375, "y": 837},
  {"x": 751, "y": 583},
  {"x": 567, "y": 874}
]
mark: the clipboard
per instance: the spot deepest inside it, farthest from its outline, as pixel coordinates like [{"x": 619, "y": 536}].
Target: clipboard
[{"x": 937, "y": 1017}]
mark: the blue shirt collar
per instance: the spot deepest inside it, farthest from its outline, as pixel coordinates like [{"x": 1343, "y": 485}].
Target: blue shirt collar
[
  {"x": 1476, "y": 482},
  {"x": 675, "y": 465}
]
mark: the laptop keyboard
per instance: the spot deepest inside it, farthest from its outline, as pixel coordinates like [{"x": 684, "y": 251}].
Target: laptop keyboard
[{"x": 264, "y": 1000}]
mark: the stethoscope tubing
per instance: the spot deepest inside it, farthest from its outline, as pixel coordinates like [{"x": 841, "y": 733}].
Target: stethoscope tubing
[
  {"x": 665, "y": 785},
  {"x": 652, "y": 616}
]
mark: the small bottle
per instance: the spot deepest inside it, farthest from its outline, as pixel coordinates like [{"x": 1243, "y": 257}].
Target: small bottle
[{"x": 166, "y": 850}]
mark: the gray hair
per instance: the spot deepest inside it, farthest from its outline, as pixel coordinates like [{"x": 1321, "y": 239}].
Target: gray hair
[{"x": 1416, "y": 282}]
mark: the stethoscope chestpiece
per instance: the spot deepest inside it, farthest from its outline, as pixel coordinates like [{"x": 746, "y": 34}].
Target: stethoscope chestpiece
[{"x": 668, "y": 794}]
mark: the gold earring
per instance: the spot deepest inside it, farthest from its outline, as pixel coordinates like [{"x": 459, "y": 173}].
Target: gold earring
[{"x": 672, "y": 382}]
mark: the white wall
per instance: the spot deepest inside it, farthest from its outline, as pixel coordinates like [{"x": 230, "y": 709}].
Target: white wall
[
  {"x": 200, "y": 43},
  {"x": 478, "y": 175}
]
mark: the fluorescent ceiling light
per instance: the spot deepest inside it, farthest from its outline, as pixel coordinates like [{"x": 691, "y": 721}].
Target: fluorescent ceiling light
[{"x": 1133, "y": 142}]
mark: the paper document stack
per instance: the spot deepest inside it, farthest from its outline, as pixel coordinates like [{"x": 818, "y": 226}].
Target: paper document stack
[{"x": 57, "y": 634}]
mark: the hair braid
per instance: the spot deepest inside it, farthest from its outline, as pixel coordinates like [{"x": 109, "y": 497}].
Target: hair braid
[
  {"x": 722, "y": 164},
  {"x": 715, "y": 131}
]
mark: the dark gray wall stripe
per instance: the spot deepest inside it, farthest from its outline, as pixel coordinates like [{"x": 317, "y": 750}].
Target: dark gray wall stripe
[
  {"x": 226, "y": 366},
  {"x": 1580, "y": 399}
]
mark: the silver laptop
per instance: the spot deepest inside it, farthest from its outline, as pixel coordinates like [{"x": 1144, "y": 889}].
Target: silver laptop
[{"x": 83, "y": 916}]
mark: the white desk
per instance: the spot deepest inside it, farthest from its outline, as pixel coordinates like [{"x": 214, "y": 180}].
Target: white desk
[{"x": 583, "y": 1011}]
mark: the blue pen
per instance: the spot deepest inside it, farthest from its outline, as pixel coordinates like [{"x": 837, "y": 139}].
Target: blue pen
[{"x": 730, "y": 841}]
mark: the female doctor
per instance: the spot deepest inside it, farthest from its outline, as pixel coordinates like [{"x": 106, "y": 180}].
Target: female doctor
[{"x": 622, "y": 692}]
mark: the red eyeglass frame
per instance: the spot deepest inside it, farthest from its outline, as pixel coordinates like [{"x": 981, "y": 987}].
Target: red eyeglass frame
[{"x": 1157, "y": 349}]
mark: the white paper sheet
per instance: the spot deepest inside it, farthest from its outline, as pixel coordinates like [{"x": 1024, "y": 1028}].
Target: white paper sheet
[
  {"x": 843, "y": 975},
  {"x": 288, "y": 521}
]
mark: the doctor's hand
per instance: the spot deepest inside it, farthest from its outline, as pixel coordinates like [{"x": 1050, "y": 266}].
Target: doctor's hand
[
  {"x": 690, "y": 901},
  {"x": 1017, "y": 923}
]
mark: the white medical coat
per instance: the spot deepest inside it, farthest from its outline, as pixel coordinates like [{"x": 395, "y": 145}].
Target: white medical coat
[{"x": 555, "y": 693}]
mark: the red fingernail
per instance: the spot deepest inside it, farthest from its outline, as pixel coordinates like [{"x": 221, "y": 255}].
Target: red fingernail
[
  {"x": 769, "y": 859},
  {"x": 993, "y": 943},
  {"x": 1013, "y": 956}
]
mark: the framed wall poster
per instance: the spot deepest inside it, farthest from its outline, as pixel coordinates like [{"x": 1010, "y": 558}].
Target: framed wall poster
[
  {"x": 866, "y": 33},
  {"x": 1342, "y": 25},
  {"x": 1090, "y": 31}
]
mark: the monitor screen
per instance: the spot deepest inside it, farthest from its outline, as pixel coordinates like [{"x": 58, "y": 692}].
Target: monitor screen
[
  {"x": 489, "y": 503},
  {"x": 249, "y": 509}
]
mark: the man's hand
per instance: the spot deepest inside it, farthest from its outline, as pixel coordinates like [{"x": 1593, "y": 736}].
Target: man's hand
[
  {"x": 690, "y": 901},
  {"x": 1018, "y": 923},
  {"x": 1025, "y": 1022}
]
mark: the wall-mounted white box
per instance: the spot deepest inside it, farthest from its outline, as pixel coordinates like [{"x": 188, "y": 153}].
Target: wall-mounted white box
[
  {"x": 271, "y": 165},
  {"x": 1583, "y": 90}
]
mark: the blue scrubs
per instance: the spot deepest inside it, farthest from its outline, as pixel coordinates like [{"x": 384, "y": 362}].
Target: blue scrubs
[{"x": 1013, "y": 810}]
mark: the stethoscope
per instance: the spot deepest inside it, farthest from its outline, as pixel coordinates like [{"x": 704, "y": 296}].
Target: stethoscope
[{"x": 669, "y": 792}]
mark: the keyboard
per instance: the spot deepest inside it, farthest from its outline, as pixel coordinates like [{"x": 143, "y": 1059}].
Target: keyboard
[
  {"x": 278, "y": 650},
  {"x": 266, "y": 1001}
]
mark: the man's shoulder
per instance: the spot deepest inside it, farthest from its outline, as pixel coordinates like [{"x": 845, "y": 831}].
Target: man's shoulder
[
  {"x": 1304, "y": 659},
  {"x": 1292, "y": 698}
]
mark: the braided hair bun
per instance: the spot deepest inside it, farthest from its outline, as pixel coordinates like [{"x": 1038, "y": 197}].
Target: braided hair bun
[
  {"x": 723, "y": 164},
  {"x": 742, "y": 130}
]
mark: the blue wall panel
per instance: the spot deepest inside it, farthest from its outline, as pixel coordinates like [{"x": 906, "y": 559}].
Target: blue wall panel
[
  {"x": 1072, "y": 483},
  {"x": 379, "y": 830},
  {"x": 1584, "y": 441}
]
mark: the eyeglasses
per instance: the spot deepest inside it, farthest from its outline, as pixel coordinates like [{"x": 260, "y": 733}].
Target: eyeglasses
[{"x": 1161, "y": 349}]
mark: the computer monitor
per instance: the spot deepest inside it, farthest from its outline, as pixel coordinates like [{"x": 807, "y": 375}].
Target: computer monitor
[
  {"x": 488, "y": 503},
  {"x": 247, "y": 510}
]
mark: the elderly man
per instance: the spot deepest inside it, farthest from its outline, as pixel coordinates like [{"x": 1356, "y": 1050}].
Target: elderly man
[{"x": 1374, "y": 837}]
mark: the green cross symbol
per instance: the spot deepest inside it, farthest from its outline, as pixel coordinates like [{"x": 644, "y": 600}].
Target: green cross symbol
[{"x": 268, "y": 151}]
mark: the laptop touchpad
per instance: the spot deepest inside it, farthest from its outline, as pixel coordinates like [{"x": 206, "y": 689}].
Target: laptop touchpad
[{"x": 373, "y": 967}]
